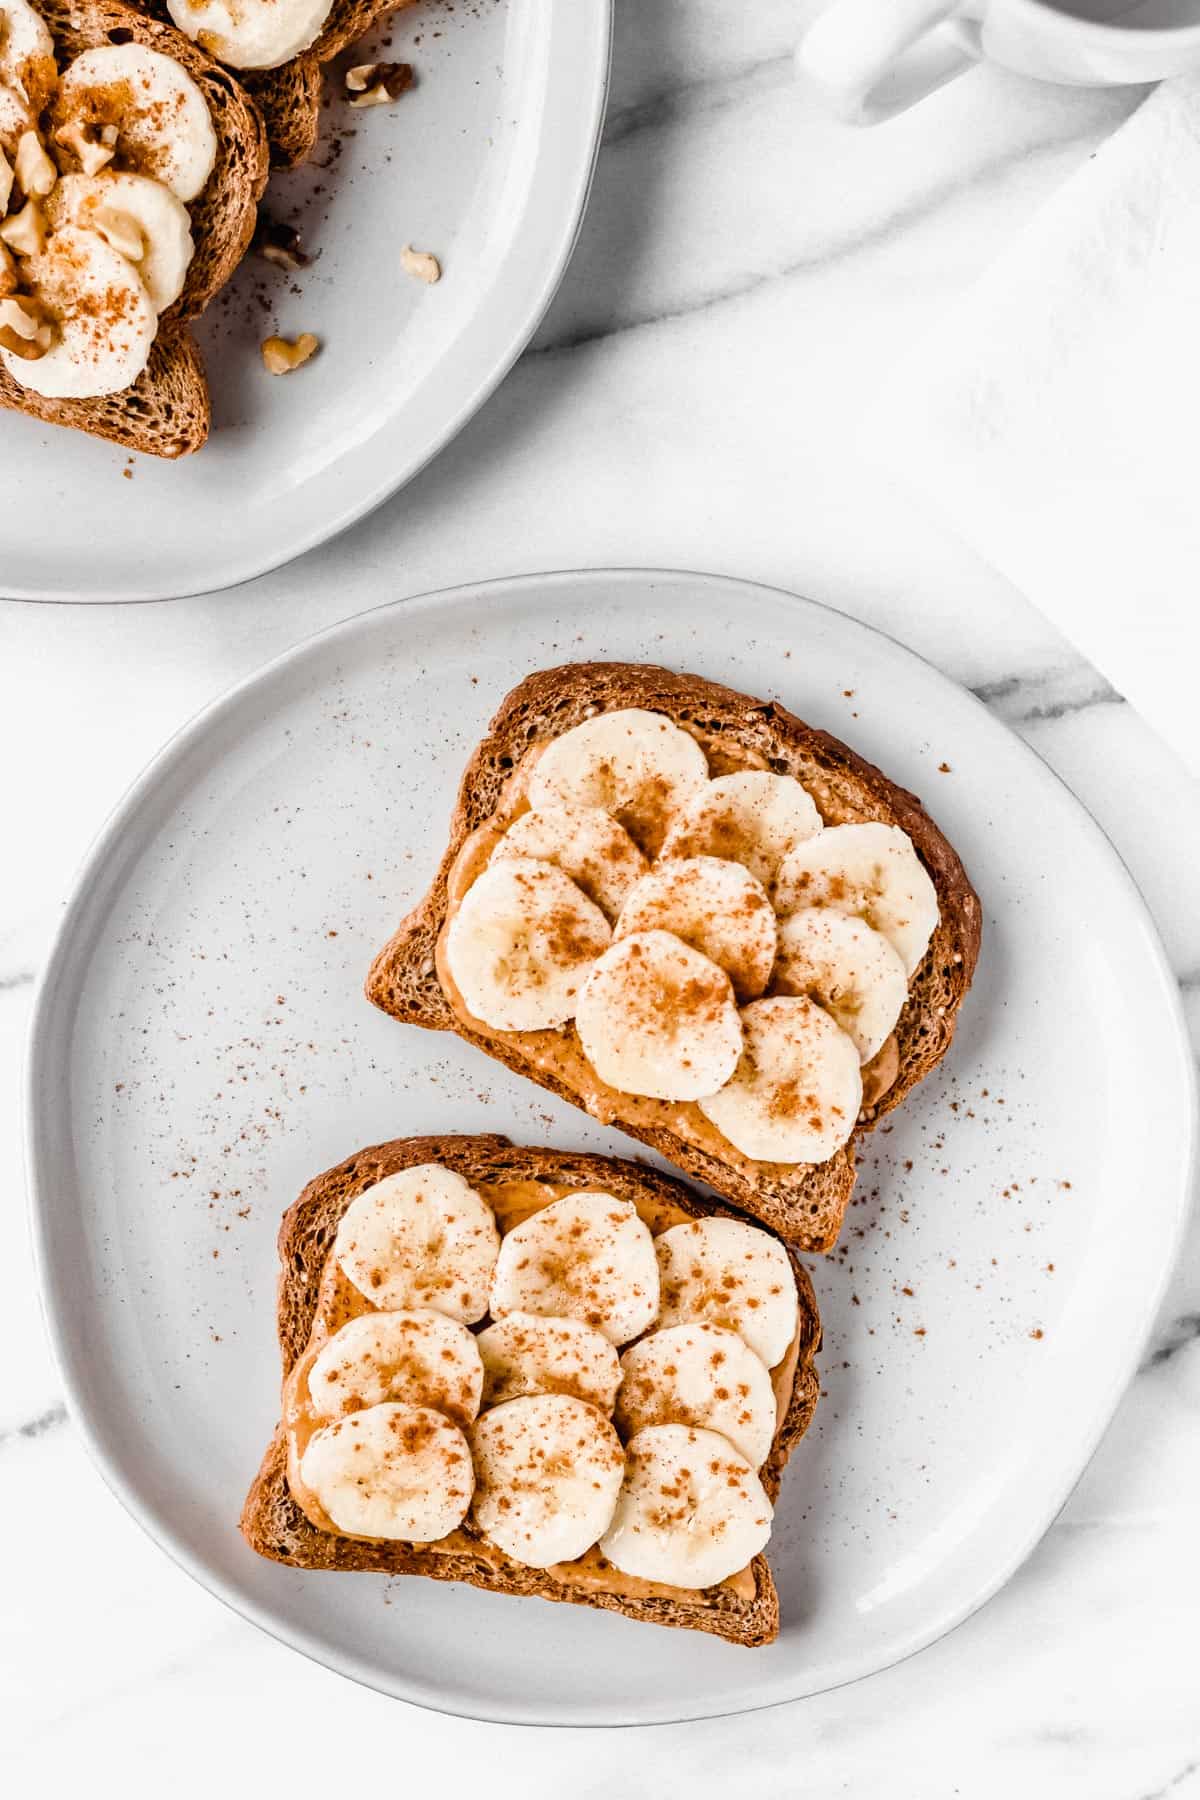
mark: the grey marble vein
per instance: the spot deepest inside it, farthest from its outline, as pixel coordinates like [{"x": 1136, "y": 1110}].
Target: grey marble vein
[
  {"x": 18, "y": 978},
  {"x": 1174, "y": 1784},
  {"x": 823, "y": 256},
  {"x": 37, "y": 1427},
  {"x": 1047, "y": 694},
  {"x": 689, "y": 98},
  {"x": 1180, "y": 1334}
]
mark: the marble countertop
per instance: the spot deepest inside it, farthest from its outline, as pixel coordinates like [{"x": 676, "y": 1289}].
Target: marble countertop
[{"x": 746, "y": 274}]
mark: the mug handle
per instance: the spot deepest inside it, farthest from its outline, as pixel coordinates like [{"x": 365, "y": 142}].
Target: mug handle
[{"x": 872, "y": 59}]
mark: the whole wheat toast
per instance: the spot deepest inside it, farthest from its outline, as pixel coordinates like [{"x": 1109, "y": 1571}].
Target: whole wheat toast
[
  {"x": 274, "y": 1525},
  {"x": 166, "y": 411},
  {"x": 289, "y": 97},
  {"x": 804, "y": 1203}
]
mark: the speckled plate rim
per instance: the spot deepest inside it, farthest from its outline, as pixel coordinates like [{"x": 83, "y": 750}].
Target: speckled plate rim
[
  {"x": 577, "y": 99},
  {"x": 43, "y": 1054}
]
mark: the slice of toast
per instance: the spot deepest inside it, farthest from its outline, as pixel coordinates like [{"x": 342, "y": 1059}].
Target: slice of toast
[
  {"x": 166, "y": 412},
  {"x": 273, "y": 1523},
  {"x": 804, "y": 1203}
]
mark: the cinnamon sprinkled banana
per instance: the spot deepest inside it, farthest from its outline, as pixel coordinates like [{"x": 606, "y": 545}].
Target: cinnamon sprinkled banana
[
  {"x": 417, "y": 1356},
  {"x": 420, "y": 1238},
  {"x": 548, "y": 1471},
  {"x": 872, "y": 873},
  {"x": 725, "y": 1272},
  {"x": 796, "y": 1094},
  {"x": 846, "y": 967},
  {"x": 655, "y": 1017},
  {"x": 524, "y": 1353},
  {"x": 391, "y": 1471},
  {"x": 717, "y": 907},
  {"x": 702, "y": 1375},
  {"x": 691, "y": 1510},
  {"x": 634, "y": 764},
  {"x": 585, "y": 843},
  {"x": 587, "y": 1256},
  {"x": 751, "y": 817},
  {"x": 521, "y": 942}
]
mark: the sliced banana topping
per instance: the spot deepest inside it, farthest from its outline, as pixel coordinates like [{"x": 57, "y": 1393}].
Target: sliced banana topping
[
  {"x": 846, "y": 967},
  {"x": 420, "y": 1357},
  {"x": 725, "y": 1272},
  {"x": 548, "y": 1471},
  {"x": 104, "y": 321},
  {"x": 796, "y": 1093},
  {"x": 420, "y": 1238},
  {"x": 870, "y": 872},
  {"x": 27, "y": 70},
  {"x": 163, "y": 124},
  {"x": 524, "y": 1353},
  {"x": 521, "y": 942},
  {"x": 655, "y": 1017},
  {"x": 136, "y": 216},
  {"x": 585, "y": 843},
  {"x": 587, "y": 1256},
  {"x": 702, "y": 1375},
  {"x": 636, "y": 765},
  {"x": 691, "y": 1510},
  {"x": 391, "y": 1471},
  {"x": 717, "y": 907},
  {"x": 751, "y": 817},
  {"x": 251, "y": 34}
]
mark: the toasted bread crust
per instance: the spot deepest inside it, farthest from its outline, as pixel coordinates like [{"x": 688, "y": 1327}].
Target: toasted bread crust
[
  {"x": 166, "y": 412},
  {"x": 273, "y": 1523},
  {"x": 805, "y": 1204}
]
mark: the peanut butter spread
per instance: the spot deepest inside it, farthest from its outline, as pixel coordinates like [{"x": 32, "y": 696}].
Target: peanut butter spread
[
  {"x": 338, "y": 1300},
  {"x": 559, "y": 1053}
]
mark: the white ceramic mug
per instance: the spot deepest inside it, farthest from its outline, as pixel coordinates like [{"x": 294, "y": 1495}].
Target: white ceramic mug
[{"x": 871, "y": 59}]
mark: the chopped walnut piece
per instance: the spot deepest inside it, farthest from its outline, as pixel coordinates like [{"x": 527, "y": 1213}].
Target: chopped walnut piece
[
  {"x": 25, "y": 327},
  {"x": 8, "y": 272},
  {"x": 280, "y": 356},
  {"x": 377, "y": 84},
  {"x": 119, "y": 230},
  {"x": 25, "y": 231},
  {"x": 35, "y": 173},
  {"x": 6, "y": 183},
  {"x": 279, "y": 244},
  {"x": 421, "y": 264},
  {"x": 92, "y": 156}
]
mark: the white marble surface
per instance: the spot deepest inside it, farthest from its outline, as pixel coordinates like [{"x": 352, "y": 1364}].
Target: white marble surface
[{"x": 746, "y": 274}]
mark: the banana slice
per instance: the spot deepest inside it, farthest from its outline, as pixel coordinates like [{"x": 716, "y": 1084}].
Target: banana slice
[
  {"x": 691, "y": 1509},
  {"x": 136, "y": 216},
  {"x": 251, "y": 34},
  {"x": 391, "y": 1471},
  {"x": 587, "y": 1256},
  {"x": 548, "y": 1472},
  {"x": 846, "y": 967},
  {"x": 870, "y": 872},
  {"x": 526, "y": 1354},
  {"x": 585, "y": 843},
  {"x": 700, "y": 1375},
  {"x": 724, "y": 1272},
  {"x": 27, "y": 70},
  {"x": 636, "y": 765},
  {"x": 657, "y": 1018},
  {"x": 164, "y": 128},
  {"x": 717, "y": 907},
  {"x": 420, "y": 1357},
  {"x": 752, "y": 818},
  {"x": 104, "y": 322},
  {"x": 420, "y": 1238},
  {"x": 521, "y": 943},
  {"x": 797, "y": 1091}
]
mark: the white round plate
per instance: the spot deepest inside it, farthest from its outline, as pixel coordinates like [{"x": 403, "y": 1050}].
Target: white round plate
[
  {"x": 202, "y": 1048},
  {"x": 487, "y": 162}
]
